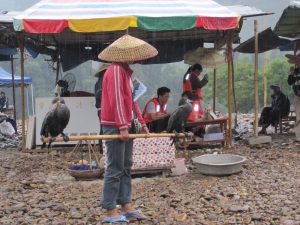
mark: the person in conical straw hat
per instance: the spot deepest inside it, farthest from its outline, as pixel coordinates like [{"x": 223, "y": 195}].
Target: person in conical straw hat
[{"x": 116, "y": 115}]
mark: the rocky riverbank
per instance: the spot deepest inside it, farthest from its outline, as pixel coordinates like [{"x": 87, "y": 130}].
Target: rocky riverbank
[{"x": 36, "y": 189}]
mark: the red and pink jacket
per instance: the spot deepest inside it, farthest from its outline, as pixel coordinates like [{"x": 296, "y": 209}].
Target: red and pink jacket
[{"x": 116, "y": 103}]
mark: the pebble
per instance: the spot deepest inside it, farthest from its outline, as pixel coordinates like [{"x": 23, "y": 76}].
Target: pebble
[{"x": 239, "y": 208}]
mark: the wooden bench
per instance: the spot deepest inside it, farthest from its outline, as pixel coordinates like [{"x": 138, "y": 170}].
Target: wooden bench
[
  {"x": 284, "y": 122},
  {"x": 220, "y": 121}
]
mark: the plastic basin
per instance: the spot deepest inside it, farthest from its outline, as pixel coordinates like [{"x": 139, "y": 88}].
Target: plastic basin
[{"x": 219, "y": 165}]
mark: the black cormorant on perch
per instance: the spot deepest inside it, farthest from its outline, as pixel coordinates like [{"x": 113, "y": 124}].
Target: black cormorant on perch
[
  {"x": 179, "y": 117},
  {"x": 55, "y": 121}
]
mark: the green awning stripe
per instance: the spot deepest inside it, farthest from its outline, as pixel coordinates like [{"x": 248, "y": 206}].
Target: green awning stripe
[{"x": 166, "y": 23}]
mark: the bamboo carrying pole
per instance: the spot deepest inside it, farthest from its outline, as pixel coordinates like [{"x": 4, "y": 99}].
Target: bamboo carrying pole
[
  {"x": 21, "y": 43},
  {"x": 229, "y": 59},
  {"x": 116, "y": 136},
  {"x": 214, "y": 94},
  {"x": 256, "y": 80}
]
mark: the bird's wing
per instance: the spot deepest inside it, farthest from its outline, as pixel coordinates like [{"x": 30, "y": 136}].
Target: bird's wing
[
  {"x": 63, "y": 114},
  {"x": 187, "y": 109},
  {"x": 175, "y": 121},
  {"x": 45, "y": 124}
]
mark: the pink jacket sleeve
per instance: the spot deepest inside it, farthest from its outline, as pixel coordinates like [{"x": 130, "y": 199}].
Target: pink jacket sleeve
[
  {"x": 117, "y": 97},
  {"x": 138, "y": 114}
]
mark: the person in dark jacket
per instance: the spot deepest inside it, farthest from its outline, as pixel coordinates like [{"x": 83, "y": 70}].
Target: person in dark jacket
[
  {"x": 278, "y": 108},
  {"x": 294, "y": 79},
  {"x": 98, "y": 95},
  {"x": 192, "y": 82},
  {"x": 3, "y": 102}
]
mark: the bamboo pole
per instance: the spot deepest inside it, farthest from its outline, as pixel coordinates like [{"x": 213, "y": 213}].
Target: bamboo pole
[
  {"x": 214, "y": 94},
  {"x": 21, "y": 44},
  {"x": 229, "y": 59},
  {"x": 234, "y": 95},
  {"x": 13, "y": 85},
  {"x": 266, "y": 61},
  {"x": 256, "y": 79},
  {"x": 265, "y": 80},
  {"x": 57, "y": 69},
  {"x": 115, "y": 136}
]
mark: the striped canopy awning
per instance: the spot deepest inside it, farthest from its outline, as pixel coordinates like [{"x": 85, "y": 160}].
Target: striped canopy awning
[{"x": 54, "y": 16}]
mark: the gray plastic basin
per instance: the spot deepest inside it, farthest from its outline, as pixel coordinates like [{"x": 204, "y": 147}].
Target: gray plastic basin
[{"x": 219, "y": 165}]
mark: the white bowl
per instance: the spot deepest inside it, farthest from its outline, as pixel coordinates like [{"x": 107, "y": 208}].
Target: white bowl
[{"x": 219, "y": 165}]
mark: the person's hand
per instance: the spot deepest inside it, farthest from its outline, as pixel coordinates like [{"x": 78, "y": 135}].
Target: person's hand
[
  {"x": 206, "y": 76},
  {"x": 292, "y": 69},
  {"x": 124, "y": 135},
  {"x": 146, "y": 131}
]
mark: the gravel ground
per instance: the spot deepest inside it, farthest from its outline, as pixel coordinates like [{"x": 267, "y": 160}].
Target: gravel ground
[{"x": 36, "y": 189}]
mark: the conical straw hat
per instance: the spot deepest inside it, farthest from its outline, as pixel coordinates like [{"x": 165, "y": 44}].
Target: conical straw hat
[
  {"x": 102, "y": 68},
  {"x": 128, "y": 49}
]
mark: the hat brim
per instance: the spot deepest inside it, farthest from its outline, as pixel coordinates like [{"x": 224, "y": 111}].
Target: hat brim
[
  {"x": 101, "y": 69},
  {"x": 128, "y": 49},
  {"x": 275, "y": 86}
]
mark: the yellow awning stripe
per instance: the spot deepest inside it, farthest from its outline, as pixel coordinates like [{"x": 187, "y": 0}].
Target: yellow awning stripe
[{"x": 102, "y": 24}]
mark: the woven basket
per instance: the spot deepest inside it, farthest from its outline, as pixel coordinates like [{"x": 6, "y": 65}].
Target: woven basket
[
  {"x": 86, "y": 174},
  {"x": 128, "y": 49}
]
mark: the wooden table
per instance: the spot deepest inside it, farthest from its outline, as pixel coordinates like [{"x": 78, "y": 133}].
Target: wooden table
[{"x": 220, "y": 121}]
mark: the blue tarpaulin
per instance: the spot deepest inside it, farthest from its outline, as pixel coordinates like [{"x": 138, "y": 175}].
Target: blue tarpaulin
[
  {"x": 8, "y": 51},
  {"x": 6, "y": 79}
]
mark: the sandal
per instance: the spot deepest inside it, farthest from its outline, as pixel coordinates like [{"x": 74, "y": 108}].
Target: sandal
[
  {"x": 115, "y": 219},
  {"x": 135, "y": 214}
]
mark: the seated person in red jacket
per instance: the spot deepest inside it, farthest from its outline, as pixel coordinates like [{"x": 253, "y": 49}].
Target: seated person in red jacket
[{"x": 155, "y": 112}]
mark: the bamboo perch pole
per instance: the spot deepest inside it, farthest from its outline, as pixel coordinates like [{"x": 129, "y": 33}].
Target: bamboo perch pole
[
  {"x": 256, "y": 80},
  {"x": 115, "y": 136}
]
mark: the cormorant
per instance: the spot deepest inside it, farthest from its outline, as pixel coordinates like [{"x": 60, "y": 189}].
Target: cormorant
[{"x": 56, "y": 121}]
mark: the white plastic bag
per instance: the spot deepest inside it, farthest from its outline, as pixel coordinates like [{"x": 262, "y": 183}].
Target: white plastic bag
[{"x": 6, "y": 128}]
